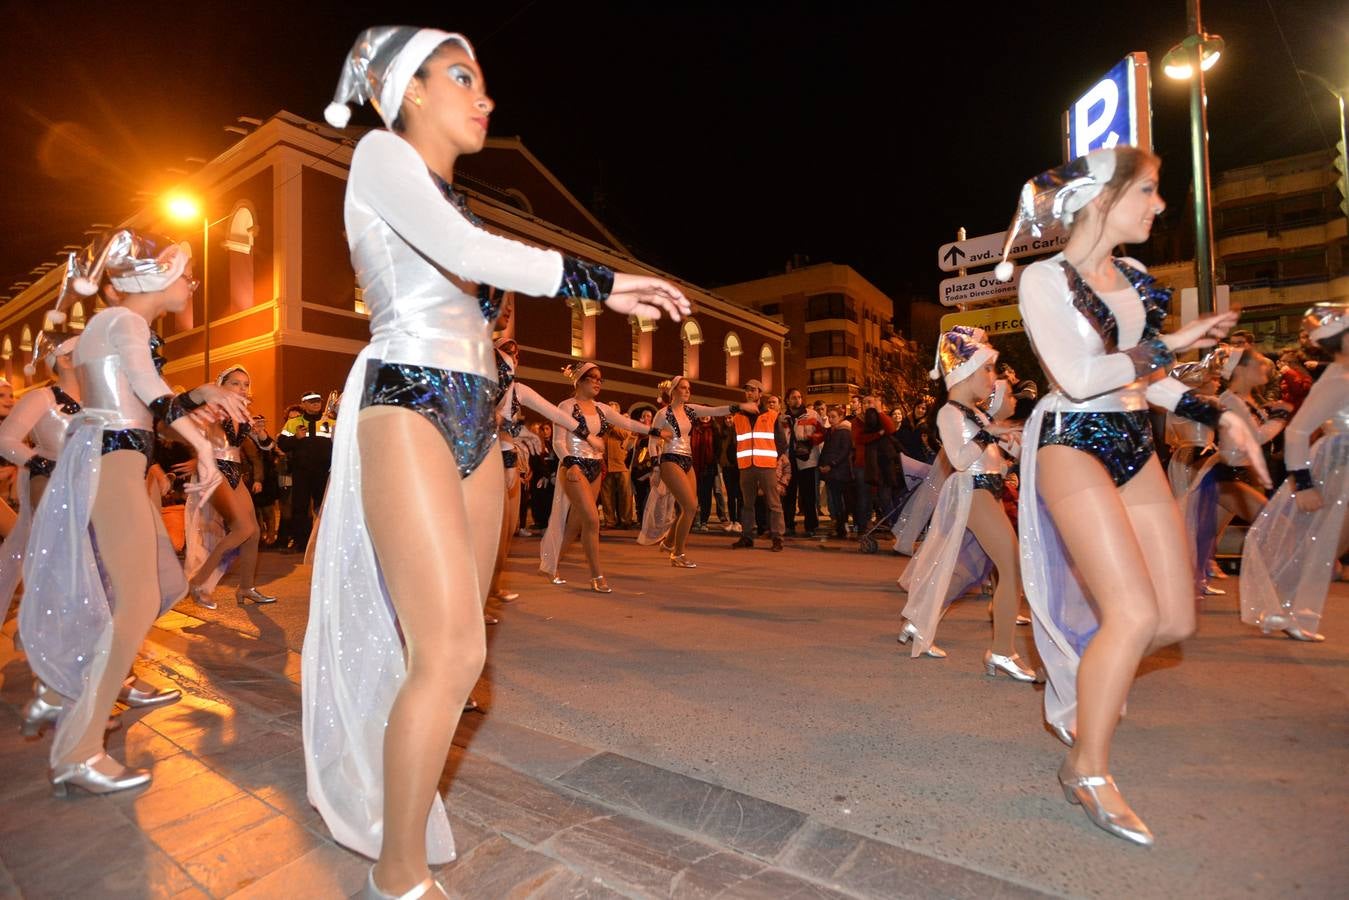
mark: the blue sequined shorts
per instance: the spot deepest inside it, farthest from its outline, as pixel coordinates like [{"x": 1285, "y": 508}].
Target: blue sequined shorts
[
  {"x": 459, "y": 404},
  {"x": 138, "y": 439},
  {"x": 994, "y": 484},
  {"x": 682, "y": 460},
  {"x": 233, "y": 471},
  {"x": 1121, "y": 441},
  {"x": 590, "y": 468}
]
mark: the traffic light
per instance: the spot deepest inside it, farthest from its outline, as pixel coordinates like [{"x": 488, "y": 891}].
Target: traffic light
[{"x": 1342, "y": 166}]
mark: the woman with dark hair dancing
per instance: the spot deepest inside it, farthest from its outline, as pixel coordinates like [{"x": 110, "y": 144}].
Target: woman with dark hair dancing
[
  {"x": 676, "y": 473},
  {"x": 99, "y": 568},
  {"x": 231, "y": 511},
  {"x": 1105, "y": 562},
  {"x": 396, "y": 639},
  {"x": 1294, "y": 543},
  {"x": 574, "y": 507}
]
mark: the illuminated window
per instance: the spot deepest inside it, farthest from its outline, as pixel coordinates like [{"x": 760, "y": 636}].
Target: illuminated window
[
  {"x": 766, "y": 363},
  {"x": 26, "y": 340},
  {"x": 691, "y": 337},
  {"x": 239, "y": 245},
  {"x": 77, "y": 316},
  {"x": 733, "y": 350}
]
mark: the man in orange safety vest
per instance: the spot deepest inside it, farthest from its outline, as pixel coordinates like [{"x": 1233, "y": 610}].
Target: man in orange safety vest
[{"x": 758, "y": 447}]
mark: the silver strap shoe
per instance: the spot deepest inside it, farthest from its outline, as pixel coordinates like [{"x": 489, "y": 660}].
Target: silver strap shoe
[
  {"x": 1008, "y": 665},
  {"x": 86, "y": 777},
  {"x": 1083, "y": 791}
]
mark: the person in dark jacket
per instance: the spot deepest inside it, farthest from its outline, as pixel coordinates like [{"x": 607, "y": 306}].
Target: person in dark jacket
[{"x": 836, "y": 467}]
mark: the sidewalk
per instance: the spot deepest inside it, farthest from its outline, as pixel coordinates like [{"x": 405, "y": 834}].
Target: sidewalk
[{"x": 534, "y": 816}]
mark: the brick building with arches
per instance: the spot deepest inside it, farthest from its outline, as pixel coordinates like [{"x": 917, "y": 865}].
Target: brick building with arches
[{"x": 279, "y": 296}]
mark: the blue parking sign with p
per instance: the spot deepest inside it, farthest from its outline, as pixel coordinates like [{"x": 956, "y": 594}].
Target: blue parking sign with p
[{"x": 1115, "y": 110}]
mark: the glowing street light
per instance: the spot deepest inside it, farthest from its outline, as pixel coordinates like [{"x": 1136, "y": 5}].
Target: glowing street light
[
  {"x": 188, "y": 210},
  {"x": 1188, "y": 61}
]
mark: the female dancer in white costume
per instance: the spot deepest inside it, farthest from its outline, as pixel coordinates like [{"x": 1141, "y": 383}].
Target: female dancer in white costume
[
  {"x": 80, "y": 640},
  {"x": 8, "y": 518},
  {"x": 1245, "y": 369},
  {"x": 1291, "y": 549},
  {"x": 1191, "y": 472},
  {"x": 1102, "y": 501},
  {"x": 396, "y": 639},
  {"x": 676, "y": 470},
  {"x": 574, "y": 506},
  {"x": 209, "y": 552},
  {"x": 969, "y": 523},
  {"x": 515, "y": 439}
]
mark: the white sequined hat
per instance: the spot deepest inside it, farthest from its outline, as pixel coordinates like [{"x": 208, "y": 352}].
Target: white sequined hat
[
  {"x": 379, "y": 67},
  {"x": 1326, "y": 320},
  {"x": 1056, "y": 196}
]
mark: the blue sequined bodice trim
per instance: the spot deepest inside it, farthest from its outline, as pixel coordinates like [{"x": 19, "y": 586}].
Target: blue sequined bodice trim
[
  {"x": 1156, "y": 302},
  {"x": 1121, "y": 441}
]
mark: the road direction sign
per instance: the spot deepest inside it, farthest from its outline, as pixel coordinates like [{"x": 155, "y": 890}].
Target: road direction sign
[
  {"x": 996, "y": 320},
  {"x": 986, "y": 250},
  {"x": 977, "y": 288}
]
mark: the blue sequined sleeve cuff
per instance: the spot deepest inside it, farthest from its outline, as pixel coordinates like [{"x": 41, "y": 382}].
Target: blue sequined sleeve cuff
[
  {"x": 170, "y": 408},
  {"x": 1149, "y": 356},
  {"x": 40, "y": 466},
  {"x": 983, "y": 438},
  {"x": 1204, "y": 410},
  {"x": 588, "y": 281},
  {"x": 1278, "y": 412},
  {"x": 1302, "y": 479}
]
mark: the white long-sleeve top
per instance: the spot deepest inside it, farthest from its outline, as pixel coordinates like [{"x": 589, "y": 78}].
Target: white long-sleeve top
[
  {"x": 966, "y": 454},
  {"x": 1264, "y": 432},
  {"x": 418, "y": 261},
  {"x": 1073, "y": 354},
  {"x": 1326, "y": 408},
  {"x": 117, "y": 374},
  {"x": 36, "y": 417},
  {"x": 567, "y": 443},
  {"x": 679, "y": 419}
]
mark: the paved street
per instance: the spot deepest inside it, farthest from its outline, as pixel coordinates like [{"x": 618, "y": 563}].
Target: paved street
[{"x": 746, "y": 729}]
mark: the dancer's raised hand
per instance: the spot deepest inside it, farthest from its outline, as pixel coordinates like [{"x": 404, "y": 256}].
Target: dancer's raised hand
[
  {"x": 647, "y": 297},
  {"x": 225, "y": 404},
  {"x": 1203, "y": 332}
]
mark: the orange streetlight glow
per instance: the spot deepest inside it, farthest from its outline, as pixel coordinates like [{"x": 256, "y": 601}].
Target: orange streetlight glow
[{"x": 183, "y": 208}]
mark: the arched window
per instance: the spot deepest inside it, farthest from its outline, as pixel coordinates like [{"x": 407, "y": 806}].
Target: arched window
[
  {"x": 642, "y": 335},
  {"x": 239, "y": 245},
  {"x": 691, "y": 337},
  {"x": 766, "y": 363},
  {"x": 77, "y": 316},
  {"x": 733, "y": 350},
  {"x": 583, "y": 313},
  {"x": 26, "y": 340},
  {"x": 7, "y": 356}
]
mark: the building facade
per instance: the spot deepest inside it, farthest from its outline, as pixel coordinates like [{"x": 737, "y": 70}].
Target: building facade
[
  {"x": 1281, "y": 242},
  {"x": 841, "y": 338},
  {"x": 279, "y": 296}
]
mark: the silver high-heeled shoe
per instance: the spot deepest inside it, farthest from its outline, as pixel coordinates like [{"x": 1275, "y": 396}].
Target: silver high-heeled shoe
[
  {"x": 506, "y": 596},
  {"x": 138, "y": 699},
  {"x": 86, "y": 777},
  {"x": 600, "y": 586},
  {"x": 200, "y": 596},
  {"x": 1211, "y": 591},
  {"x": 1063, "y": 734},
  {"x": 910, "y": 631},
  {"x": 489, "y": 619},
  {"x": 242, "y": 597},
  {"x": 1297, "y": 634},
  {"x": 38, "y": 714},
  {"x": 1081, "y": 791},
  {"x": 552, "y": 579},
  {"x": 428, "y": 888},
  {"x": 1010, "y": 665},
  {"x": 682, "y": 562},
  {"x": 1290, "y": 627}
]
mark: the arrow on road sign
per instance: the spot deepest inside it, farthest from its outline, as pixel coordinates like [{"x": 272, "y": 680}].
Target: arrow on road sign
[
  {"x": 986, "y": 249},
  {"x": 952, "y": 254}
]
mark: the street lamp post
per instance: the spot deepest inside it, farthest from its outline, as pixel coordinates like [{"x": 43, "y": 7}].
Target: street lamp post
[
  {"x": 186, "y": 209},
  {"x": 1190, "y": 59}
]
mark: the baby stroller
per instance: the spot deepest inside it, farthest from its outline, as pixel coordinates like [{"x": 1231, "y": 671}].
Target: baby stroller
[
  {"x": 866, "y": 541},
  {"x": 912, "y": 473}
]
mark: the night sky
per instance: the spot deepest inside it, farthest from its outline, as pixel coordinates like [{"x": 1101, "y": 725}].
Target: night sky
[{"x": 717, "y": 140}]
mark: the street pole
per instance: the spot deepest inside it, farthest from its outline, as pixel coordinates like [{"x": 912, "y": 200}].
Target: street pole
[
  {"x": 1203, "y": 213},
  {"x": 206, "y": 296}
]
